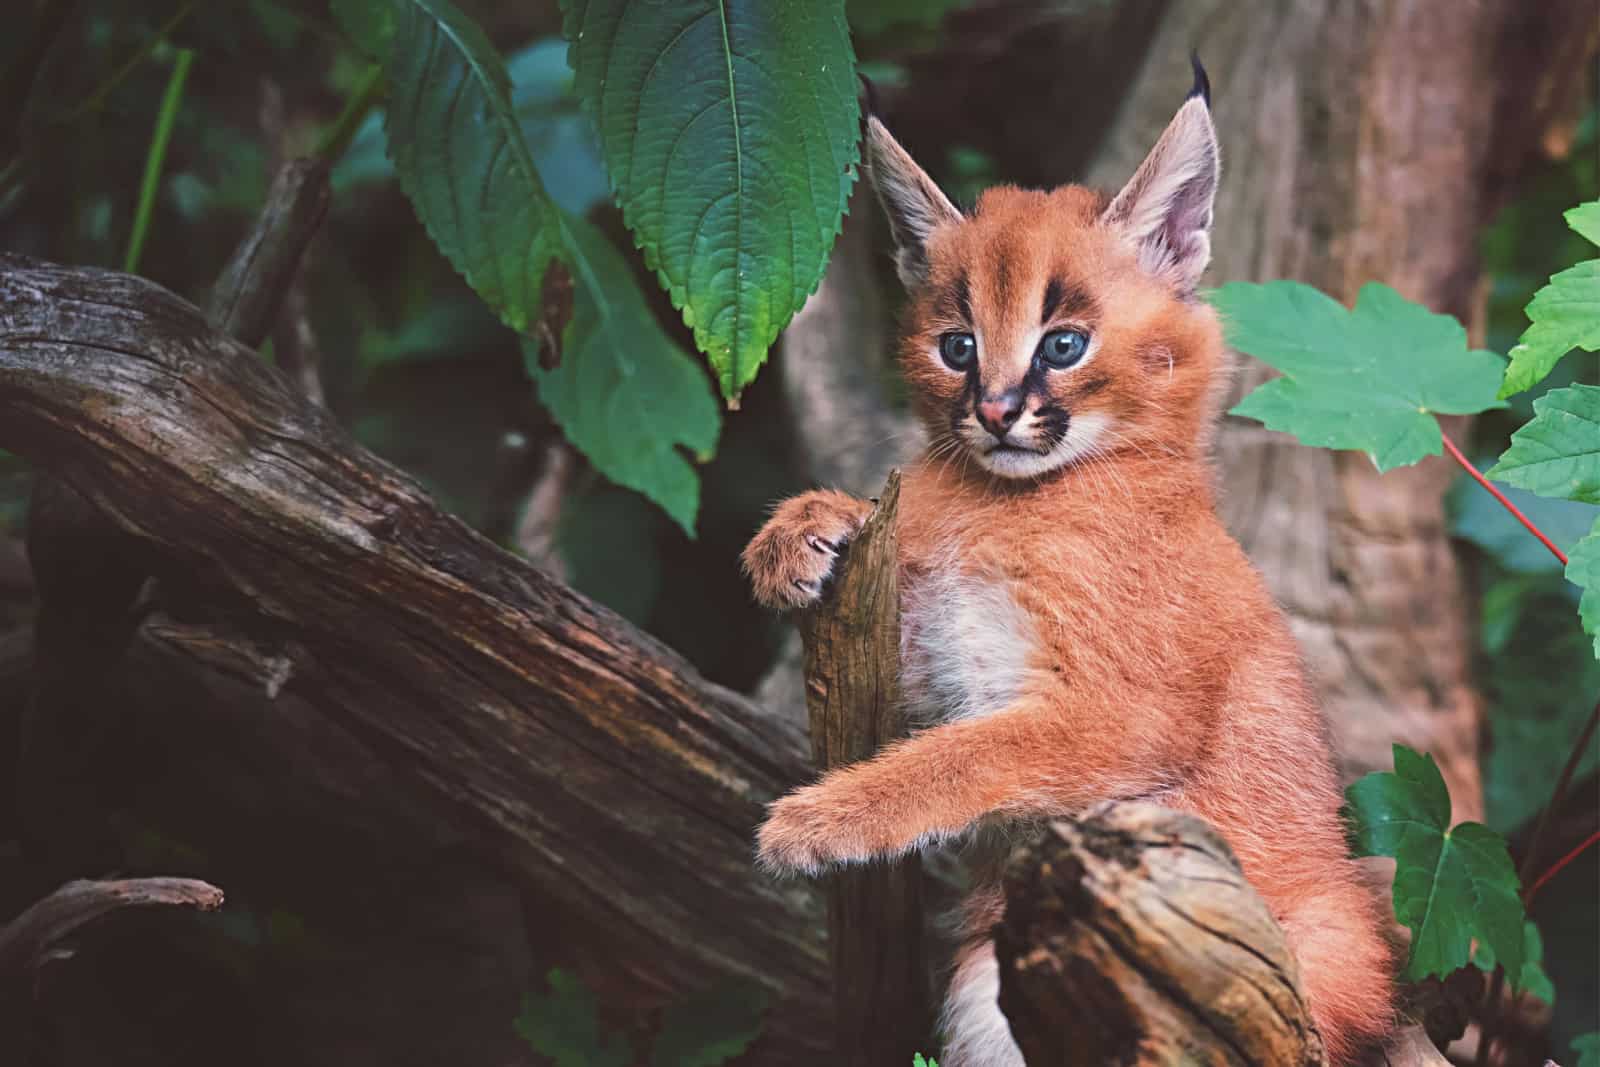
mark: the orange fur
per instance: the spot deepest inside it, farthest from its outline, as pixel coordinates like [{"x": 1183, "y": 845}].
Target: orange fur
[{"x": 1088, "y": 632}]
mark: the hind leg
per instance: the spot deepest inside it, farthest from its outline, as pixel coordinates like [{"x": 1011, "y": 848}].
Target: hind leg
[{"x": 976, "y": 1033}]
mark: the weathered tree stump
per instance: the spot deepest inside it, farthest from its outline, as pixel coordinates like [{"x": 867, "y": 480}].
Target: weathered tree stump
[
  {"x": 1131, "y": 937},
  {"x": 875, "y": 936}
]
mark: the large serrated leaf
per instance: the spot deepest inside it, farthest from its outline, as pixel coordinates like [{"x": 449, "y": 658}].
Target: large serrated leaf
[
  {"x": 710, "y": 1028},
  {"x": 729, "y": 128},
  {"x": 1369, "y": 379},
  {"x": 1563, "y": 315},
  {"x": 1452, "y": 884},
  {"x": 624, "y": 393},
  {"x": 1557, "y": 452},
  {"x": 459, "y": 150},
  {"x": 564, "y": 1025}
]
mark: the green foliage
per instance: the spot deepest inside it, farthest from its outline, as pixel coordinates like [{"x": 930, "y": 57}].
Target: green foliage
[
  {"x": 462, "y": 159},
  {"x": 708, "y": 1029},
  {"x": 1557, "y": 454},
  {"x": 918, "y": 1061},
  {"x": 1586, "y": 1047},
  {"x": 564, "y": 1024},
  {"x": 1564, "y": 314},
  {"x": 1583, "y": 569},
  {"x": 1534, "y": 980},
  {"x": 711, "y": 1027},
  {"x": 623, "y": 392},
  {"x": 1369, "y": 379},
  {"x": 1452, "y": 884},
  {"x": 729, "y": 129}
]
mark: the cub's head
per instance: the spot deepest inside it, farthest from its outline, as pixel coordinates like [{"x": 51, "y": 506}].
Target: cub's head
[{"x": 1048, "y": 327}]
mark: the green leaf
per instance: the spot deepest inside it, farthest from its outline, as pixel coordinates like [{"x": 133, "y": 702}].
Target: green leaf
[
  {"x": 729, "y": 128},
  {"x": 624, "y": 394},
  {"x": 1370, "y": 379},
  {"x": 918, "y": 1061},
  {"x": 1583, "y": 569},
  {"x": 710, "y": 1028},
  {"x": 1557, "y": 453},
  {"x": 1586, "y": 1047},
  {"x": 564, "y": 1024},
  {"x": 1533, "y": 979},
  {"x": 1564, "y": 314},
  {"x": 1451, "y": 884},
  {"x": 462, "y": 160}
]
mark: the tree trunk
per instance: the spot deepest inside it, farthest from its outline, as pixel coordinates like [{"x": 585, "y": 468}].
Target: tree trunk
[{"x": 1357, "y": 144}]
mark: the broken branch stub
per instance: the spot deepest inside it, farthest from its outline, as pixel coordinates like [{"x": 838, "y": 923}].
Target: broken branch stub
[
  {"x": 852, "y": 671},
  {"x": 1132, "y": 937}
]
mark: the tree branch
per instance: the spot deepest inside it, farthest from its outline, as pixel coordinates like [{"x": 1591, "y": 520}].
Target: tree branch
[
  {"x": 591, "y": 760},
  {"x": 1131, "y": 936},
  {"x": 25, "y": 939},
  {"x": 882, "y": 1010}
]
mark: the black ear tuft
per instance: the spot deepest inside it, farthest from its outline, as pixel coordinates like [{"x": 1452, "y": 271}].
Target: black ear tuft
[
  {"x": 869, "y": 93},
  {"x": 1202, "y": 84}
]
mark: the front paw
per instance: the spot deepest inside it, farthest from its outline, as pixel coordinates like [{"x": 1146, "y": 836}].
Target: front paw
[
  {"x": 791, "y": 559},
  {"x": 806, "y": 832}
]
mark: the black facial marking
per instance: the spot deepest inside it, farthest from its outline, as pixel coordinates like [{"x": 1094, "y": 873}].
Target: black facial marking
[
  {"x": 1090, "y": 386},
  {"x": 1052, "y": 301},
  {"x": 1064, "y": 299},
  {"x": 1052, "y": 421},
  {"x": 955, "y": 302},
  {"x": 963, "y": 298}
]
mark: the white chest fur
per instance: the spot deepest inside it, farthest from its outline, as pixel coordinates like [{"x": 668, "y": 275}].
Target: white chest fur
[{"x": 965, "y": 647}]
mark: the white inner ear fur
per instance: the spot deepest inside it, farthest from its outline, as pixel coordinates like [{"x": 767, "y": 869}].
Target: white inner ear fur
[
  {"x": 1165, "y": 208},
  {"x": 914, "y": 204}
]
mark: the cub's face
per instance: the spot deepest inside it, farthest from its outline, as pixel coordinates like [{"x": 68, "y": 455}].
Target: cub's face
[
  {"x": 1017, "y": 344},
  {"x": 1048, "y": 328}
]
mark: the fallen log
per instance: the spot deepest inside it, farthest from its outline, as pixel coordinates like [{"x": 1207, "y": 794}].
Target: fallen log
[
  {"x": 591, "y": 760},
  {"x": 1131, "y": 937}
]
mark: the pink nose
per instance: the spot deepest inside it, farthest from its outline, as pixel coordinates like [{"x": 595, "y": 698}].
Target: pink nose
[{"x": 999, "y": 413}]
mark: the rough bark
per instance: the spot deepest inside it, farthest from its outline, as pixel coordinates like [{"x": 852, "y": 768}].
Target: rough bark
[
  {"x": 1357, "y": 142},
  {"x": 254, "y": 284},
  {"x": 1131, "y": 936},
  {"x": 526, "y": 711},
  {"x": 881, "y": 1004},
  {"x": 836, "y": 361}
]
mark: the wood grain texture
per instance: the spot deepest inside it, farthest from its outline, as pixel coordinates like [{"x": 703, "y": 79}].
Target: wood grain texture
[
  {"x": 588, "y": 758},
  {"x": 882, "y": 1006},
  {"x": 1131, "y": 937}
]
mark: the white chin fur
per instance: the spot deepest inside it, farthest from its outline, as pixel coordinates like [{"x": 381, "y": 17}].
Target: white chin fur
[{"x": 1082, "y": 434}]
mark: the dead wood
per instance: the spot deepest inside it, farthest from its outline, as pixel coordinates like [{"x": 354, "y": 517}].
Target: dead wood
[
  {"x": 589, "y": 759},
  {"x": 256, "y": 281},
  {"x": 1132, "y": 937},
  {"x": 25, "y": 939},
  {"x": 881, "y": 1001}
]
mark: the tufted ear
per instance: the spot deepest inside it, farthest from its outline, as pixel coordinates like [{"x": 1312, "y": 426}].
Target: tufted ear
[
  {"x": 1165, "y": 208},
  {"x": 912, "y": 201}
]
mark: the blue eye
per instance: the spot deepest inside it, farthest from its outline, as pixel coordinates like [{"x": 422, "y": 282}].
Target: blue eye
[
  {"x": 958, "y": 350},
  {"x": 1061, "y": 349}
]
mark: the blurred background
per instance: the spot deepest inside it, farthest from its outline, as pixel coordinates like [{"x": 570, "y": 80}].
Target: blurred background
[{"x": 1431, "y": 146}]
